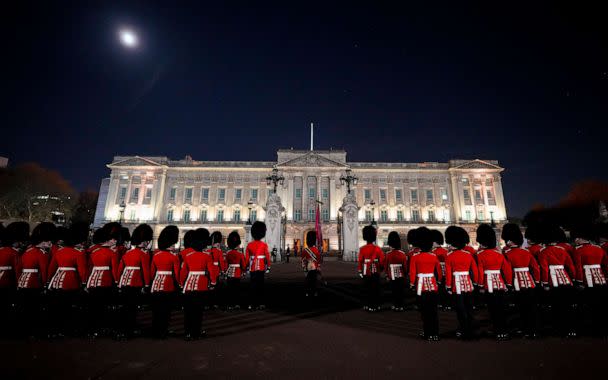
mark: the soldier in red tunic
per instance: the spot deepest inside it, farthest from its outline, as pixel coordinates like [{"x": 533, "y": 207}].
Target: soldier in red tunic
[
  {"x": 556, "y": 273},
  {"x": 165, "y": 275},
  {"x": 526, "y": 275},
  {"x": 33, "y": 279},
  {"x": 68, "y": 275},
  {"x": 425, "y": 276},
  {"x": 311, "y": 263},
  {"x": 395, "y": 263},
  {"x": 60, "y": 236},
  {"x": 237, "y": 266},
  {"x": 188, "y": 236},
  {"x": 461, "y": 277},
  {"x": 441, "y": 253},
  {"x": 496, "y": 274},
  {"x": 534, "y": 240},
  {"x": 563, "y": 242},
  {"x": 371, "y": 259},
  {"x": 134, "y": 278},
  {"x": 14, "y": 241},
  {"x": 258, "y": 259},
  {"x": 123, "y": 244},
  {"x": 591, "y": 263},
  {"x": 219, "y": 267}
]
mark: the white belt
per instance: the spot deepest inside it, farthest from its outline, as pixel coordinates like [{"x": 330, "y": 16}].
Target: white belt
[
  {"x": 489, "y": 281},
  {"x": 197, "y": 273},
  {"x": 132, "y": 268},
  {"x": 101, "y": 268},
  {"x": 521, "y": 269},
  {"x": 458, "y": 274},
  {"x": 6, "y": 268},
  {"x": 260, "y": 257},
  {"x": 164, "y": 273},
  {"x": 30, "y": 270},
  {"x": 553, "y": 270},
  {"x": 66, "y": 268},
  {"x": 420, "y": 277},
  {"x": 234, "y": 265},
  {"x": 589, "y": 269},
  {"x": 216, "y": 263}
]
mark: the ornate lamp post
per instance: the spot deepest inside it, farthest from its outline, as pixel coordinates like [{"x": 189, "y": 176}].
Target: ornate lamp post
[
  {"x": 275, "y": 178},
  {"x": 372, "y": 204},
  {"x": 249, "y": 206},
  {"x": 122, "y": 208},
  {"x": 348, "y": 180}
]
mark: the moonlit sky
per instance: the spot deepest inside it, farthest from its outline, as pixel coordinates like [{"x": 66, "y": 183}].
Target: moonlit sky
[{"x": 527, "y": 85}]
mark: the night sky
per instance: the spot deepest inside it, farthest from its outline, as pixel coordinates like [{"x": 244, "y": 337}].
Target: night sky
[{"x": 526, "y": 85}]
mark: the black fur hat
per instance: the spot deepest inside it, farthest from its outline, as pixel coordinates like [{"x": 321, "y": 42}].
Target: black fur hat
[
  {"x": 602, "y": 230},
  {"x": 486, "y": 236},
  {"x": 125, "y": 235},
  {"x": 188, "y": 236},
  {"x": 216, "y": 237},
  {"x": 141, "y": 233},
  {"x": 533, "y": 233},
  {"x": 234, "y": 240},
  {"x": 78, "y": 233},
  {"x": 198, "y": 239},
  {"x": 204, "y": 235},
  {"x": 437, "y": 237},
  {"x": 411, "y": 237},
  {"x": 258, "y": 230},
  {"x": 113, "y": 230},
  {"x": 511, "y": 232},
  {"x": 61, "y": 234},
  {"x": 369, "y": 234},
  {"x": 424, "y": 239},
  {"x": 311, "y": 238},
  {"x": 584, "y": 231},
  {"x": 550, "y": 233},
  {"x": 394, "y": 240},
  {"x": 168, "y": 237},
  {"x": 456, "y": 236},
  {"x": 1, "y": 234},
  {"x": 44, "y": 231},
  {"x": 16, "y": 232},
  {"x": 99, "y": 236}
]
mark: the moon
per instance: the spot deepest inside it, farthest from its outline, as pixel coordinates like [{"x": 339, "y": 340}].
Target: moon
[{"x": 128, "y": 38}]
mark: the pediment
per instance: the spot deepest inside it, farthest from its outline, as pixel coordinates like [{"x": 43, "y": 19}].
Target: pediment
[
  {"x": 478, "y": 164},
  {"x": 311, "y": 160},
  {"x": 135, "y": 161}
]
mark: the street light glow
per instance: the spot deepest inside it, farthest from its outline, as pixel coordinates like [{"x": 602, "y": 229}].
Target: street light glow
[{"x": 128, "y": 38}]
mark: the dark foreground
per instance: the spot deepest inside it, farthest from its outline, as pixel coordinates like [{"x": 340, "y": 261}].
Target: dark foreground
[{"x": 292, "y": 339}]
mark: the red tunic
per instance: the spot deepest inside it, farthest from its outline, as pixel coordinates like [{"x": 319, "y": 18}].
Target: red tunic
[
  {"x": 470, "y": 249},
  {"x": 9, "y": 267},
  {"x": 425, "y": 272},
  {"x": 165, "y": 271},
  {"x": 219, "y": 264},
  {"x": 134, "y": 269},
  {"x": 569, "y": 248},
  {"x": 371, "y": 259},
  {"x": 535, "y": 250},
  {"x": 525, "y": 268},
  {"x": 68, "y": 269},
  {"x": 555, "y": 263},
  {"x": 605, "y": 247},
  {"x": 395, "y": 263},
  {"x": 195, "y": 274},
  {"x": 441, "y": 254},
  {"x": 258, "y": 256},
  {"x": 237, "y": 265},
  {"x": 494, "y": 270},
  {"x": 461, "y": 271},
  {"x": 34, "y": 272},
  {"x": 184, "y": 252},
  {"x": 591, "y": 264},
  {"x": 311, "y": 258},
  {"x": 103, "y": 268}
]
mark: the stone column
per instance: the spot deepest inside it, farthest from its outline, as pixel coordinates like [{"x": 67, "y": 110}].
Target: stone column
[
  {"x": 499, "y": 195},
  {"x": 248, "y": 238},
  {"x": 350, "y": 227},
  {"x": 273, "y": 209}
]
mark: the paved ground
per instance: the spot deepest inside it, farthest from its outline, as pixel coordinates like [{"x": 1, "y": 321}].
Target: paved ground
[{"x": 293, "y": 339}]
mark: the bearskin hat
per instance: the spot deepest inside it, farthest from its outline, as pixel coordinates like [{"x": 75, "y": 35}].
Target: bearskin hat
[
  {"x": 125, "y": 235},
  {"x": 204, "y": 233},
  {"x": 198, "y": 240},
  {"x": 486, "y": 236},
  {"x": 394, "y": 240},
  {"x": 258, "y": 230},
  {"x": 141, "y": 233},
  {"x": 61, "y": 235},
  {"x": 369, "y": 234},
  {"x": 602, "y": 230},
  {"x": 456, "y": 236},
  {"x": 113, "y": 231},
  {"x": 511, "y": 232},
  {"x": 78, "y": 233},
  {"x": 44, "y": 231},
  {"x": 234, "y": 240},
  {"x": 411, "y": 237},
  {"x": 1, "y": 234},
  {"x": 99, "y": 236},
  {"x": 533, "y": 233},
  {"x": 16, "y": 232},
  {"x": 168, "y": 237},
  {"x": 311, "y": 238},
  {"x": 584, "y": 231},
  {"x": 216, "y": 237},
  {"x": 550, "y": 233},
  {"x": 188, "y": 236},
  {"x": 437, "y": 237},
  {"x": 424, "y": 239}
]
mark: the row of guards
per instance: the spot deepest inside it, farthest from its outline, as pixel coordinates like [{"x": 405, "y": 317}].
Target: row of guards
[
  {"x": 51, "y": 279},
  {"x": 548, "y": 271}
]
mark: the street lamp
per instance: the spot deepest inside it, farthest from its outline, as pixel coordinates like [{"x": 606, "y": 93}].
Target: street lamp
[
  {"x": 275, "y": 178},
  {"x": 249, "y": 206},
  {"x": 122, "y": 208},
  {"x": 349, "y": 179},
  {"x": 492, "y": 223},
  {"x": 372, "y": 204}
]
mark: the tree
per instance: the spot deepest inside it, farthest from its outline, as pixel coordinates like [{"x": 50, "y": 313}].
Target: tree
[
  {"x": 34, "y": 193},
  {"x": 84, "y": 208}
]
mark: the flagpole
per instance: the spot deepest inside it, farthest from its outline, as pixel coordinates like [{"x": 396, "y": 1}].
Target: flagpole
[{"x": 312, "y": 128}]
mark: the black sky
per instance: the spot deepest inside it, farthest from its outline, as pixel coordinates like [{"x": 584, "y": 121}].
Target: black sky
[{"x": 524, "y": 84}]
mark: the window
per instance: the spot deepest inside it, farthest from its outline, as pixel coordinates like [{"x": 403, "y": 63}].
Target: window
[
  {"x": 415, "y": 216},
  {"x": 148, "y": 196},
  {"x": 478, "y": 197},
  {"x": 135, "y": 195},
  {"x": 253, "y": 215},
  {"x": 188, "y": 195},
  {"x": 311, "y": 192},
  {"x": 172, "y": 194},
  {"x": 186, "y": 216},
  {"x": 237, "y": 215},
  {"x": 368, "y": 215},
  {"x": 444, "y": 194},
  {"x": 368, "y": 194},
  {"x": 431, "y": 216},
  {"x": 399, "y": 215},
  {"x": 221, "y": 195},
  {"x": 122, "y": 194},
  {"x": 297, "y": 215},
  {"x": 205, "y": 195},
  {"x": 254, "y": 194},
  {"x": 325, "y": 215},
  {"x": 132, "y": 215},
  {"x": 429, "y": 195},
  {"x": 203, "y": 216},
  {"x": 325, "y": 193},
  {"x": 467, "y": 197},
  {"x": 491, "y": 199},
  {"x": 220, "y": 216},
  {"x": 414, "y": 195},
  {"x": 382, "y": 195},
  {"x": 311, "y": 214},
  {"x": 298, "y": 193},
  {"x": 488, "y": 181},
  {"x": 480, "y": 215},
  {"x": 467, "y": 215},
  {"x": 237, "y": 194},
  {"x": 169, "y": 215},
  {"x": 383, "y": 215},
  {"x": 398, "y": 195}
]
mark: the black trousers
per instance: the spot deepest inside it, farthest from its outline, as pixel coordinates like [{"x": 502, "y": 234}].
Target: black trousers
[
  {"x": 233, "y": 291},
  {"x": 463, "y": 304},
  {"x": 596, "y": 300},
  {"x": 194, "y": 304},
  {"x": 428, "y": 311},
  {"x": 497, "y": 309},
  {"x": 65, "y": 312},
  {"x": 31, "y": 312},
  {"x": 257, "y": 288},
  {"x": 527, "y": 304},
  {"x": 7, "y": 310},
  {"x": 371, "y": 284},
  {"x": 101, "y": 312},
  {"x": 312, "y": 281},
  {"x": 398, "y": 291},
  {"x": 561, "y": 299},
  {"x": 130, "y": 298},
  {"x": 162, "y": 305}
]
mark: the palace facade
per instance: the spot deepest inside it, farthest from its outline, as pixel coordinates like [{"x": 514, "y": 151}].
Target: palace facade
[{"x": 225, "y": 195}]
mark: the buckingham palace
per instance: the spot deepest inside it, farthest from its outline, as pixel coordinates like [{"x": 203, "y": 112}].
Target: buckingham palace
[{"x": 229, "y": 195}]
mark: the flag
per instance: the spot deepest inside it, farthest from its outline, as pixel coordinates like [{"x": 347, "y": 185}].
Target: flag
[{"x": 318, "y": 229}]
